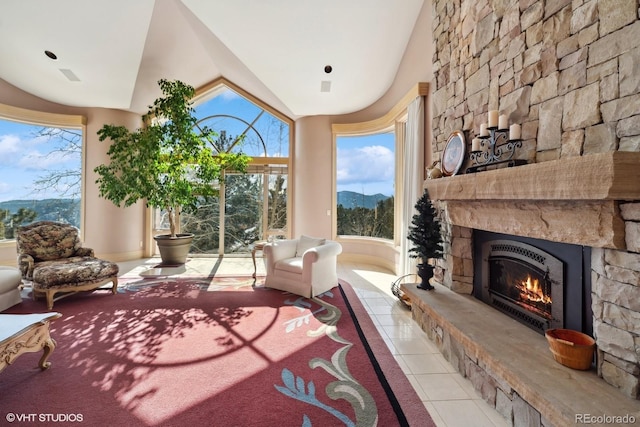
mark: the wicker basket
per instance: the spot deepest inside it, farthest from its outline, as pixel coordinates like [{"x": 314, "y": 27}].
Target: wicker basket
[
  {"x": 395, "y": 290},
  {"x": 571, "y": 348}
]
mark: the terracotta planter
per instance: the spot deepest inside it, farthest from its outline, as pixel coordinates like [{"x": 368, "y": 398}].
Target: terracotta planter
[{"x": 571, "y": 348}]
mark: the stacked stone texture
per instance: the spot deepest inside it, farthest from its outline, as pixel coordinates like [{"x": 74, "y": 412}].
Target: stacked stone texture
[{"x": 568, "y": 72}]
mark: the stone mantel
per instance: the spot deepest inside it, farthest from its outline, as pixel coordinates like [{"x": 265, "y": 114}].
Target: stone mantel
[{"x": 573, "y": 200}]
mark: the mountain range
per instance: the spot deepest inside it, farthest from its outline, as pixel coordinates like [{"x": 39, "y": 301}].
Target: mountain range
[
  {"x": 351, "y": 199},
  {"x": 67, "y": 210}
]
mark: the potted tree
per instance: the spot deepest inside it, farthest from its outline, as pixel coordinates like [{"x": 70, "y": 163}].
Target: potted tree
[
  {"x": 424, "y": 233},
  {"x": 169, "y": 162}
]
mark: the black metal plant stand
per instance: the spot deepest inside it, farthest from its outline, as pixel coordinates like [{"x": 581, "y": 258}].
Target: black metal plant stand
[{"x": 500, "y": 149}]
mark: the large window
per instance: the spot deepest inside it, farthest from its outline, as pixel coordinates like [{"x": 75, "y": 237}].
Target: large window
[
  {"x": 379, "y": 167},
  {"x": 249, "y": 207},
  {"x": 365, "y": 183},
  {"x": 40, "y": 169}
]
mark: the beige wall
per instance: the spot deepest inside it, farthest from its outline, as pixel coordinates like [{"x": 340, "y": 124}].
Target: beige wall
[
  {"x": 313, "y": 177},
  {"x": 415, "y": 67},
  {"x": 104, "y": 220},
  {"x": 314, "y": 156}
]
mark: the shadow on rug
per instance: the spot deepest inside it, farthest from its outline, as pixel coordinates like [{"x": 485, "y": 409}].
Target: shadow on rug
[{"x": 215, "y": 352}]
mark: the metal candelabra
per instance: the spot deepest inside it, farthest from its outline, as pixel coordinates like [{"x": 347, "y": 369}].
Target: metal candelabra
[{"x": 500, "y": 149}]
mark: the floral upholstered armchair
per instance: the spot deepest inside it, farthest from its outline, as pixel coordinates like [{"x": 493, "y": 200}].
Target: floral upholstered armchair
[
  {"x": 46, "y": 242},
  {"x": 50, "y": 254}
]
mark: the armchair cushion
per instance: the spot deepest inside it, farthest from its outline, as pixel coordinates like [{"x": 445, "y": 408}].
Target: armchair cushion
[
  {"x": 293, "y": 265},
  {"x": 48, "y": 240},
  {"x": 305, "y": 243},
  {"x": 79, "y": 271}
]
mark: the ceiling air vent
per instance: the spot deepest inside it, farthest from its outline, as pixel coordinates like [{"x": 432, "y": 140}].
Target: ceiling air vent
[
  {"x": 69, "y": 74},
  {"x": 325, "y": 86}
]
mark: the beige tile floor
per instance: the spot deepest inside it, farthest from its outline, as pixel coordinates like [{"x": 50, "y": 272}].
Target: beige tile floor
[{"x": 449, "y": 398}]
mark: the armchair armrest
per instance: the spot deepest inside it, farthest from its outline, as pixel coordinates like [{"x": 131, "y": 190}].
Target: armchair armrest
[
  {"x": 85, "y": 252},
  {"x": 329, "y": 250},
  {"x": 319, "y": 267},
  {"x": 281, "y": 249},
  {"x": 26, "y": 264}
]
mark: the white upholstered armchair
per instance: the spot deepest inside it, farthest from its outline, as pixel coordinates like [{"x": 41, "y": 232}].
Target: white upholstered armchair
[{"x": 305, "y": 266}]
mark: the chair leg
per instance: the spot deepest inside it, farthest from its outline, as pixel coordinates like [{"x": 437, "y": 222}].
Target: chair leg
[
  {"x": 50, "y": 293},
  {"x": 114, "y": 289},
  {"x": 35, "y": 294}
]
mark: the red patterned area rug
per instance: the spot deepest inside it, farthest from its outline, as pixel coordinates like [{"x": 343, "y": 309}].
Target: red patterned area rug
[{"x": 215, "y": 352}]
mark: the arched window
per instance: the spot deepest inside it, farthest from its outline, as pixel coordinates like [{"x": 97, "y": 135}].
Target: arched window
[{"x": 249, "y": 207}]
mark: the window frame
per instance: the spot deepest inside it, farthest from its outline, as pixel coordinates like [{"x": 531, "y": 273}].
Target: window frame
[
  {"x": 208, "y": 91},
  {"x": 54, "y": 120},
  {"x": 396, "y": 119},
  {"x": 392, "y": 129}
]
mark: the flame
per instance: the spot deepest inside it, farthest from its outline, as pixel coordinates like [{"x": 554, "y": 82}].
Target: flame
[{"x": 530, "y": 290}]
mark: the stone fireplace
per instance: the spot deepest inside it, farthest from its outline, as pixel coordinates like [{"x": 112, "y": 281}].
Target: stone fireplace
[
  {"x": 561, "y": 202},
  {"x": 566, "y": 71},
  {"x": 543, "y": 205}
]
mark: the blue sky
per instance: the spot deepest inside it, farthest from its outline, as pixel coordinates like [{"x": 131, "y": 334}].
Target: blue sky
[
  {"x": 275, "y": 138},
  {"x": 365, "y": 164},
  {"x": 24, "y": 158}
]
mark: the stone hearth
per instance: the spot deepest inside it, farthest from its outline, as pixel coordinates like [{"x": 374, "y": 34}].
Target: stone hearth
[{"x": 510, "y": 365}]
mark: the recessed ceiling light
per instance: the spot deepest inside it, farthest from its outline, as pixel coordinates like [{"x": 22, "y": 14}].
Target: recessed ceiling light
[{"x": 51, "y": 54}]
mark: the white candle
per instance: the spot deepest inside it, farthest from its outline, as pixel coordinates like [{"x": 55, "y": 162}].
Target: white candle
[
  {"x": 514, "y": 132},
  {"x": 483, "y": 129},
  {"x": 475, "y": 144},
  {"x": 503, "y": 122},
  {"x": 493, "y": 118}
]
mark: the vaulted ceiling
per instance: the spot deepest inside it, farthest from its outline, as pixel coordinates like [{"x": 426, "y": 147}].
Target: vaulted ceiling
[{"x": 112, "y": 53}]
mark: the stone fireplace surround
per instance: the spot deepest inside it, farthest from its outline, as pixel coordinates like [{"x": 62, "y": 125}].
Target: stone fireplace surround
[{"x": 594, "y": 201}]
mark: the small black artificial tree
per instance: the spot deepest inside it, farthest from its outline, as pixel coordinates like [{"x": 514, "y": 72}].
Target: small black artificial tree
[{"x": 424, "y": 233}]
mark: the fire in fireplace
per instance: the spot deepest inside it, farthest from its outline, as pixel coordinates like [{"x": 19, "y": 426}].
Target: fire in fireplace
[
  {"x": 539, "y": 283},
  {"x": 524, "y": 282}
]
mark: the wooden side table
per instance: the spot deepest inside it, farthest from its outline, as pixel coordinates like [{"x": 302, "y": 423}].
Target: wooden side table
[
  {"x": 257, "y": 246},
  {"x": 26, "y": 333}
]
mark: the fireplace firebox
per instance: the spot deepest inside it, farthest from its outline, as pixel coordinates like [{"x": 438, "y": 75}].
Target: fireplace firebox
[
  {"x": 531, "y": 281},
  {"x": 524, "y": 282}
]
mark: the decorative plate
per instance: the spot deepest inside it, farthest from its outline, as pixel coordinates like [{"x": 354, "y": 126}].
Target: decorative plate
[{"x": 454, "y": 152}]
